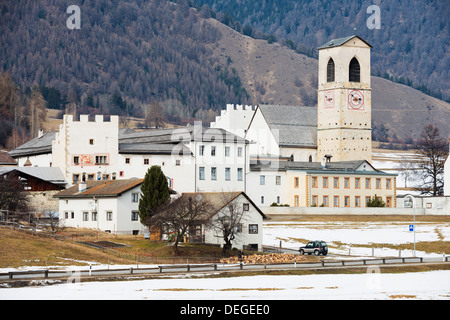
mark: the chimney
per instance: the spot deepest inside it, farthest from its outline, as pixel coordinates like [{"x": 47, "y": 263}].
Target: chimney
[{"x": 82, "y": 185}]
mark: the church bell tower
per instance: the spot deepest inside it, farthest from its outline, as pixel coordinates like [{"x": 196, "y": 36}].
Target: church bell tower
[{"x": 344, "y": 108}]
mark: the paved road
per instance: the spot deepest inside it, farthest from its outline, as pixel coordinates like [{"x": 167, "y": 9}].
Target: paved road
[{"x": 212, "y": 268}]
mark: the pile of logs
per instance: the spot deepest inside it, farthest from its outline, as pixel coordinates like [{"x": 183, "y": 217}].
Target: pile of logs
[{"x": 265, "y": 258}]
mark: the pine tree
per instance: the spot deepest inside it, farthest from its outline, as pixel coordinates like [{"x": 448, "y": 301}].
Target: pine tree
[{"x": 154, "y": 193}]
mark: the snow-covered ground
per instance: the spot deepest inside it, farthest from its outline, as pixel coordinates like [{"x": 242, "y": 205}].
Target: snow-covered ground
[
  {"x": 371, "y": 285},
  {"x": 291, "y": 234},
  {"x": 402, "y": 163}
]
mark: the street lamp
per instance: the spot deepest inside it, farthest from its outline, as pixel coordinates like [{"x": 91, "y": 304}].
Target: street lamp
[{"x": 413, "y": 202}]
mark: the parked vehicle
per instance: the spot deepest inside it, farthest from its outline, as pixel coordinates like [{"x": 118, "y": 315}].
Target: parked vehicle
[{"x": 317, "y": 247}]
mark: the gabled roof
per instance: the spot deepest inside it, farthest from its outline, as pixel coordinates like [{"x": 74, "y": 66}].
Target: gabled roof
[
  {"x": 221, "y": 199},
  {"x": 356, "y": 166},
  {"x": 340, "y": 41},
  {"x": 49, "y": 174},
  {"x": 35, "y": 146},
  {"x": 296, "y": 125},
  {"x": 175, "y": 135},
  {"x": 100, "y": 188}
]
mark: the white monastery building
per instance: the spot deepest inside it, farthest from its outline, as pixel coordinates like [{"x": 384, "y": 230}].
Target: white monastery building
[{"x": 294, "y": 155}]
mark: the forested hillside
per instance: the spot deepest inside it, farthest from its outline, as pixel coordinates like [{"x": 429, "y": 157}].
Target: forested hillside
[
  {"x": 145, "y": 57},
  {"x": 127, "y": 53},
  {"x": 412, "y": 46}
]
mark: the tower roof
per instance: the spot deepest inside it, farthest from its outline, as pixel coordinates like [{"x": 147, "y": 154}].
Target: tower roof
[{"x": 340, "y": 41}]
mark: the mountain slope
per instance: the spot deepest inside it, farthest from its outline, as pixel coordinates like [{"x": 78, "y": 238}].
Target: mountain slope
[
  {"x": 412, "y": 44},
  {"x": 274, "y": 74},
  {"x": 143, "y": 51}
]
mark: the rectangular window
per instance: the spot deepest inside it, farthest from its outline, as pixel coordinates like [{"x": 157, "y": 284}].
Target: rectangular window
[
  {"x": 347, "y": 201},
  {"x": 146, "y": 161},
  {"x": 314, "y": 201},
  {"x": 367, "y": 200},
  {"x": 357, "y": 201},
  {"x": 91, "y": 142},
  {"x": 262, "y": 180},
  {"x": 296, "y": 182},
  {"x": 213, "y": 173},
  {"x": 178, "y": 163},
  {"x": 213, "y": 151},
  {"x": 201, "y": 173},
  {"x": 72, "y": 215},
  {"x": 378, "y": 183},
  {"x": 262, "y": 199},
  {"x": 227, "y": 151},
  {"x": 357, "y": 183},
  {"x": 325, "y": 201},
  {"x": 85, "y": 216},
  {"x": 296, "y": 201},
  {"x": 278, "y": 200},
  {"x": 239, "y": 174},
  {"x": 253, "y": 229},
  {"x": 76, "y": 160},
  {"x": 134, "y": 215},
  {"x": 90, "y": 176},
  {"x": 367, "y": 183},
  {"x": 94, "y": 215},
  {"x": 227, "y": 174},
  {"x": 101, "y": 160},
  {"x": 246, "y": 207},
  {"x": 127, "y": 160},
  {"x": 66, "y": 215},
  {"x": 75, "y": 178},
  {"x": 336, "y": 182},
  {"x": 336, "y": 201},
  {"x": 109, "y": 216},
  {"x": 314, "y": 182},
  {"x": 325, "y": 182},
  {"x": 278, "y": 180},
  {"x": 201, "y": 150},
  {"x": 135, "y": 197},
  {"x": 239, "y": 151},
  {"x": 347, "y": 183},
  {"x": 388, "y": 183}
]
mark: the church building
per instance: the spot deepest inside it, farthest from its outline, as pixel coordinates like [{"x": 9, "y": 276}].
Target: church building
[{"x": 305, "y": 156}]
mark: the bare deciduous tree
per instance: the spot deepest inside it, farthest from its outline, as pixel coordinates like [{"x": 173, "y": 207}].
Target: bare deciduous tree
[
  {"x": 227, "y": 223},
  {"x": 181, "y": 215},
  {"x": 433, "y": 150}
]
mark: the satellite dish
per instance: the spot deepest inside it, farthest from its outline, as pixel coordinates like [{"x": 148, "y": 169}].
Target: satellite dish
[{"x": 199, "y": 197}]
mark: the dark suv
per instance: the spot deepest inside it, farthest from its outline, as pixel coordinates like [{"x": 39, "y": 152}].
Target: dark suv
[{"x": 317, "y": 247}]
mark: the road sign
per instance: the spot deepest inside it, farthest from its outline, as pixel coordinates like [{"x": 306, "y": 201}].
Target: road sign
[{"x": 411, "y": 227}]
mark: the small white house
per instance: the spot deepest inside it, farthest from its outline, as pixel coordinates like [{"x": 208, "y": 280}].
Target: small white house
[
  {"x": 249, "y": 224},
  {"x": 106, "y": 205}
]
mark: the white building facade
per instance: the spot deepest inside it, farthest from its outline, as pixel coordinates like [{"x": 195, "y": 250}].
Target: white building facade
[
  {"x": 194, "y": 159},
  {"x": 110, "y": 206}
]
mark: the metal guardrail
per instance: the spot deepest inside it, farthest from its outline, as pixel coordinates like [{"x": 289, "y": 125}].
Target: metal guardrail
[{"x": 48, "y": 274}]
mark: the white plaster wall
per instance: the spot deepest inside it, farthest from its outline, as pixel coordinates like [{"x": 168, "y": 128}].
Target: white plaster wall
[
  {"x": 250, "y": 217},
  {"x": 235, "y": 119}
]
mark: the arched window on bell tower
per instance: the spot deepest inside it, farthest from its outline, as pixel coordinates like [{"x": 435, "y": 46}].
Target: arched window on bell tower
[
  {"x": 354, "y": 71},
  {"x": 330, "y": 70}
]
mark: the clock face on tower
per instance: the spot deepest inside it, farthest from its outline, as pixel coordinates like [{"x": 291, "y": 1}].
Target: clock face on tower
[
  {"x": 329, "y": 99},
  {"x": 355, "y": 100}
]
